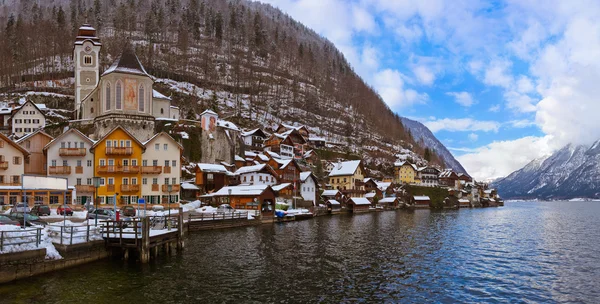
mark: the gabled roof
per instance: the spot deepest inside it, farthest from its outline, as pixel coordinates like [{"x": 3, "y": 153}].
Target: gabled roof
[
  {"x": 239, "y": 158},
  {"x": 72, "y": 130},
  {"x": 113, "y": 130},
  {"x": 253, "y": 190},
  {"x": 280, "y": 187},
  {"x": 255, "y": 132},
  {"x": 448, "y": 173},
  {"x": 255, "y": 168},
  {"x": 388, "y": 200},
  {"x": 209, "y": 112},
  {"x": 305, "y": 175},
  {"x": 383, "y": 185},
  {"x": 212, "y": 168},
  {"x": 361, "y": 201},
  {"x": 290, "y": 127},
  {"x": 162, "y": 134},
  {"x": 20, "y": 140},
  {"x": 330, "y": 193},
  {"x": 14, "y": 144},
  {"x": 127, "y": 62},
  {"x": 157, "y": 94},
  {"x": 345, "y": 168},
  {"x": 36, "y": 106}
]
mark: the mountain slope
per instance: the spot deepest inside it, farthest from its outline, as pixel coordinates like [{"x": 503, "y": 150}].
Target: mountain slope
[
  {"x": 249, "y": 61},
  {"x": 421, "y": 132},
  {"x": 573, "y": 171}
]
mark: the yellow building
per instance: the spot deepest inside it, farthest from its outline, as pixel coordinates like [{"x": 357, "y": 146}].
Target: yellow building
[
  {"x": 117, "y": 159},
  {"x": 348, "y": 177},
  {"x": 405, "y": 172}
]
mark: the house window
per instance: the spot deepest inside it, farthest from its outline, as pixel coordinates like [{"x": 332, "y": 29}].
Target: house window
[
  {"x": 87, "y": 60},
  {"x": 144, "y": 181},
  {"x": 118, "y": 96},
  {"x": 166, "y": 163},
  {"x": 78, "y": 181},
  {"x": 156, "y": 147},
  {"x": 81, "y": 145},
  {"x": 16, "y": 160},
  {"x": 89, "y": 181},
  {"x": 107, "y": 97},
  {"x": 111, "y": 181},
  {"x": 125, "y": 181},
  {"x": 141, "y": 98},
  {"x": 103, "y": 162},
  {"x": 145, "y": 162},
  {"x": 174, "y": 163},
  {"x": 89, "y": 163},
  {"x": 174, "y": 180},
  {"x": 155, "y": 181},
  {"x": 102, "y": 181},
  {"x": 53, "y": 162},
  {"x": 155, "y": 162},
  {"x": 134, "y": 162},
  {"x": 79, "y": 163},
  {"x": 165, "y": 147}
]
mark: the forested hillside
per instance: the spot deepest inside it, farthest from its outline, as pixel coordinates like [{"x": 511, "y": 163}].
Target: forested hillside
[{"x": 247, "y": 60}]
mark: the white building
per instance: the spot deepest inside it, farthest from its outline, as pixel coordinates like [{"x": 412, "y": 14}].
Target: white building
[
  {"x": 428, "y": 176},
  {"x": 261, "y": 174},
  {"x": 309, "y": 186},
  {"x": 254, "y": 139},
  {"x": 69, "y": 156},
  {"x": 161, "y": 164},
  {"x": 12, "y": 165},
  {"x": 27, "y": 119}
]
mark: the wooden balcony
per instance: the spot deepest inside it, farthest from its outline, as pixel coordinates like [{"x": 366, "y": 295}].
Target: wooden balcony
[
  {"x": 110, "y": 188},
  {"x": 59, "y": 170},
  {"x": 3, "y": 165},
  {"x": 151, "y": 170},
  {"x": 84, "y": 188},
  {"x": 118, "y": 169},
  {"x": 130, "y": 188},
  {"x": 155, "y": 187},
  {"x": 71, "y": 151},
  {"x": 119, "y": 150},
  {"x": 167, "y": 169},
  {"x": 175, "y": 188},
  {"x": 78, "y": 170},
  {"x": 10, "y": 184}
]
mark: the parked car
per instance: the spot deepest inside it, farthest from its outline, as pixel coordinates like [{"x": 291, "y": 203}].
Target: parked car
[
  {"x": 127, "y": 211},
  {"x": 40, "y": 210},
  {"x": 5, "y": 220},
  {"x": 21, "y": 207},
  {"x": 30, "y": 221},
  {"x": 64, "y": 209},
  {"x": 225, "y": 208},
  {"x": 102, "y": 214},
  {"x": 158, "y": 208}
]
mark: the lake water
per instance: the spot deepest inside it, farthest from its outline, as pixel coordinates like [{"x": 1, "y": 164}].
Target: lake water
[{"x": 523, "y": 252}]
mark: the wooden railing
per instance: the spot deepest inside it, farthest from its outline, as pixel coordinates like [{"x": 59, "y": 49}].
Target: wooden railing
[
  {"x": 130, "y": 188},
  {"x": 72, "y": 152},
  {"x": 10, "y": 184},
  {"x": 59, "y": 170},
  {"x": 3, "y": 165},
  {"x": 84, "y": 188},
  {"x": 167, "y": 169},
  {"x": 151, "y": 169},
  {"x": 79, "y": 170},
  {"x": 118, "y": 169},
  {"x": 174, "y": 189},
  {"x": 119, "y": 150},
  {"x": 155, "y": 187}
]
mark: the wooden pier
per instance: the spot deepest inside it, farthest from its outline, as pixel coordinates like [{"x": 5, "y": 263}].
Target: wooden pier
[{"x": 198, "y": 222}]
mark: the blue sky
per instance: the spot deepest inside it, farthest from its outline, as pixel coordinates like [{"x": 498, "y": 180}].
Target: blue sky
[{"x": 500, "y": 83}]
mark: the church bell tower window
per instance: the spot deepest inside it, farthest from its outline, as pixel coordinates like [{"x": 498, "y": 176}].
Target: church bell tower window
[
  {"x": 141, "y": 98},
  {"x": 118, "y": 96},
  {"x": 87, "y": 60}
]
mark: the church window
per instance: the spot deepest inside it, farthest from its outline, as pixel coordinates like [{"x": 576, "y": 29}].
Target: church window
[
  {"x": 162, "y": 111},
  {"x": 107, "y": 99},
  {"x": 141, "y": 98},
  {"x": 87, "y": 60},
  {"x": 92, "y": 110},
  {"x": 118, "y": 96}
]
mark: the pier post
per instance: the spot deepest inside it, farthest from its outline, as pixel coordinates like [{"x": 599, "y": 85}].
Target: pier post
[
  {"x": 180, "y": 230},
  {"x": 144, "y": 250}
]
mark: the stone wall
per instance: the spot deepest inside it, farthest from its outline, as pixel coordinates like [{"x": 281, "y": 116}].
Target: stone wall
[
  {"x": 19, "y": 265},
  {"x": 141, "y": 127},
  {"x": 218, "y": 147}
]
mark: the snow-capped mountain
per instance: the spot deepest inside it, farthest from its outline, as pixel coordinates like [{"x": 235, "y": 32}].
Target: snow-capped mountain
[
  {"x": 420, "y": 131},
  {"x": 573, "y": 171}
]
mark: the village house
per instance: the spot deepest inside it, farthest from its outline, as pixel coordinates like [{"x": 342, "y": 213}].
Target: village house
[
  {"x": 332, "y": 194},
  {"x": 348, "y": 177},
  {"x": 261, "y": 174},
  {"x": 311, "y": 157},
  {"x": 5, "y": 114},
  {"x": 428, "y": 176},
  {"x": 27, "y": 119},
  {"x": 159, "y": 151},
  {"x": 405, "y": 172},
  {"x": 309, "y": 187},
  {"x": 211, "y": 177},
  {"x": 287, "y": 170},
  {"x": 303, "y": 130},
  {"x": 421, "y": 201},
  {"x": 388, "y": 203},
  {"x": 12, "y": 167},
  {"x": 68, "y": 156},
  {"x": 317, "y": 142},
  {"x": 289, "y": 144},
  {"x": 247, "y": 197},
  {"x": 254, "y": 139},
  {"x": 449, "y": 178},
  {"x": 35, "y": 143},
  {"x": 358, "y": 204}
]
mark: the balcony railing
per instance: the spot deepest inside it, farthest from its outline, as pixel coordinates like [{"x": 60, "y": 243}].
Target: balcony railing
[
  {"x": 130, "y": 188},
  {"x": 3, "y": 165},
  {"x": 59, "y": 170},
  {"x": 78, "y": 170},
  {"x": 10, "y": 184},
  {"x": 118, "y": 169},
  {"x": 71, "y": 151},
  {"x": 155, "y": 187},
  {"x": 165, "y": 188},
  {"x": 119, "y": 150},
  {"x": 167, "y": 169},
  {"x": 151, "y": 169},
  {"x": 84, "y": 188}
]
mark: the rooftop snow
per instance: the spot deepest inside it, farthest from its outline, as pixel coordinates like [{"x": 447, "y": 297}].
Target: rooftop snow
[
  {"x": 280, "y": 186},
  {"x": 157, "y": 94},
  {"x": 421, "y": 198},
  {"x": 212, "y": 168},
  {"x": 304, "y": 175},
  {"x": 387, "y": 200},
  {"x": 250, "y": 169},
  {"x": 254, "y": 190},
  {"x": 330, "y": 192},
  {"x": 333, "y": 202},
  {"x": 345, "y": 168},
  {"x": 361, "y": 201},
  {"x": 188, "y": 186}
]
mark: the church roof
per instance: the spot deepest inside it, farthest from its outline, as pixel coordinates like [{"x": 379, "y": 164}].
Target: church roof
[
  {"x": 128, "y": 62},
  {"x": 87, "y": 32}
]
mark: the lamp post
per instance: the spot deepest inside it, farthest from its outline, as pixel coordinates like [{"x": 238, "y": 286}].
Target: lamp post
[
  {"x": 169, "y": 189},
  {"x": 96, "y": 181}
]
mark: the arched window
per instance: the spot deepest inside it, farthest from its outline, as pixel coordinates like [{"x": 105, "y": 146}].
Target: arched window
[
  {"x": 141, "y": 105},
  {"x": 118, "y": 96},
  {"x": 92, "y": 110},
  {"x": 107, "y": 97},
  {"x": 162, "y": 111}
]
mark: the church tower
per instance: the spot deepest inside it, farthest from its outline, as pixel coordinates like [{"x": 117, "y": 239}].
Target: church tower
[{"x": 86, "y": 59}]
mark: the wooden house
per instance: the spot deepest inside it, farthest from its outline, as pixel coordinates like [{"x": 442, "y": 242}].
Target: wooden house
[
  {"x": 211, "y": 177},
  {"x": 422, "y": 201},
  {"x": 389, "y": 203},
  {"x": 448, "y": 178},
  {"x": 290, "y": 144},
  {"x": 256, "y": 197},
  {"x": 358, "y": 204},
  {"x": 35, "y": 143},
  {"x": 261, "y": 174},
  {"x": 254, "y": 139},
  {"x": 332, "y": 195},
  {"x": 333, "y": 206},
  {"x": 287, "y": 170},
  {"x": 311, "y": 157},
  {"x": 464, "y": 203},
  {"x": 303, "y": 130}
]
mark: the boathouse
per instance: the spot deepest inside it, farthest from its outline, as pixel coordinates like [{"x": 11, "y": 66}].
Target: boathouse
[
  {"x": 333, "y": 207},
  {"x": 388, "y": 203},
  {"x": 255, "y": 197},
  {"x": 358, "y": 204},
  {"x": 422, "y": 201}
]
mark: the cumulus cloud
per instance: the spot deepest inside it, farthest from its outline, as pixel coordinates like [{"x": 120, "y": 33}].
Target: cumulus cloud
[
  {"x": 462, "y": 98},
  {"x": 462, "y": 125},
  {"x": 494, "y": 108},
  {"x": 473, "y": 137},
  {"x": 390, "y": 85}
]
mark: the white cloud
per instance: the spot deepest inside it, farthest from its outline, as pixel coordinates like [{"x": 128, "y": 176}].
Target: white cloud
[
  {"x": 462, "y": 98},
  {"x": 494, "y": 108},
  {"x": 498, "y": 74},
  {"x": 390, "y": 85},
  {"x": 500, "y": 158},
  {"x": 473, "y": 137},
  {"x": 522, "y": 123},
  {"x": 524, "y": 84},
  {"x": 461, "y": 125},
  {"x": 424, "y": 75}
]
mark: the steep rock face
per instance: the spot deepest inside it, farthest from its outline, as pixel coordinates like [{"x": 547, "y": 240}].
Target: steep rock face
[
  {"x": 573, "y": 171},
  {"x": 420, "y": 131}
]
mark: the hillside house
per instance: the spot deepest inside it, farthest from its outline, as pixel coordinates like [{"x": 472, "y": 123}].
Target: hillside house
[
  {"x": 255, "y": 197},
  {"x": 35, "y": 143},
  {"x": 309, "y": 187},
  {"x": 261, "y": 174},
  {"x": 428, "y": 176},
  {"x": 26, "y": 119},
  {"x": 405, "y": 172},
  {"x": 348, "y": 177},
  {"x": 358, "y": 204},
  {"x": 449, "y": 178},
  {"x": 254, "y": 139},
  {"x": 211, "y": 177},
  {"x": 289, "y": 144}
]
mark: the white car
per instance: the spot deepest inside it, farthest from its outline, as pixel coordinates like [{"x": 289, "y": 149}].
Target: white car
[
  {"x": 21, "y": 207},
  {"x": 225, "y": 208}
]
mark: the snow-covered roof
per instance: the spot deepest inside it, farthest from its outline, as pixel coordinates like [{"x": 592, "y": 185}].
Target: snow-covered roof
[
  {"x": 489, "y": 191},
  {"x": 345, "y": 168},
  {"x": 280, "y": 187},
  {"x": 209, "y": 112},
  {"x": 387, "y": 200},
  {"x": 212, "y": 168},
  {"x": 189, "y": 186},
  {"x": 383, "y": 185},
  {"x": 283, "y": 162},
  {"x": 304, "y": 175},
  {"x": 127, "y": 62},
  {"x": 421, "y": 198},
  {"x": 308, "y": 153},
  {"x": 227, "y": 124},
  {"x": 273, "y": 154},
  {"x": 370, "y": 195},
  {"x": 253, "y": 190},
  {"x": 157, "y": 94},
  {"x": 330, "y": 192},
  {"x": 462, "y": 200},
  {"x": 250, "y": 154},
  {"x": 250, "y": 169},
  {"x": 239, "y": 158},
  {"x": 447, "y": 173},
  {"x": 253, "y": 132},
  {"x": 333, "y": 202},
  {"x": 360, "y": 201},
  {"x": 316, "y": 139},
  {"x": 263, "y": 157}
]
